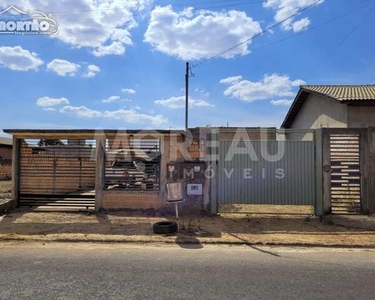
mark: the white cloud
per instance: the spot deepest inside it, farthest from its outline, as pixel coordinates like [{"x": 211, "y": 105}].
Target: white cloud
[
  {"x": 301, "y": 25},
  {"x": 132, "y": 116},
  {"x": 127, "y": 115},
  {"x": 129, "y": 91},
  {"x": 49, "y": 108},
  {"x": 63, "y": 67},
  {"x": 199, "y": 34},
  {"x": 91, "y": 71},
  {"x": 282, "y": 102},
  {"x": 270, "y": 86},
  {"x": 47, "y": 102},
  {"x": 112, "y": 99},
  {"x": 231, "y": 80},
  {"x": 115, "y": 48},
  {"x": 286, "y": 8},
  {"x": 81, "y": 111},
  {"x": 179, "y": 102},
  {"x": 19, "y": 59},
  {"x": 103, "y": 26}
]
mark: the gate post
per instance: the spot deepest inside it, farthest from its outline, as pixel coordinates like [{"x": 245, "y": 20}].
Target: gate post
[
  {"x": 16, "y": 152},
  {"x": 318, "y": 144},
  {"x": 100, "y": 173},
  {"x": 327, "y": 206},
  {"x": 213, "y": 149},
  {"x": 369, "y": 159},
  {"x": 365, "y": 162}
]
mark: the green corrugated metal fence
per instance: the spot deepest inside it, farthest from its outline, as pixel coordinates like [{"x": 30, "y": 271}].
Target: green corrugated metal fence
[{"x": 255, "y": 177}]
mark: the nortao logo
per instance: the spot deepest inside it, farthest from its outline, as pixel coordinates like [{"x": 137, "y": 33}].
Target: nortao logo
[{"x": 20, "y": 22}]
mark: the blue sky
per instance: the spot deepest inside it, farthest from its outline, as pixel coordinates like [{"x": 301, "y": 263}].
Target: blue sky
[{"x": 121, "y": 64}]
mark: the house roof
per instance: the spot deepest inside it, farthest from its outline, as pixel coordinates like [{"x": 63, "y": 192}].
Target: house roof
[
  {"x": 343, "y": 93},
  {"x": 6, "y": 141}
]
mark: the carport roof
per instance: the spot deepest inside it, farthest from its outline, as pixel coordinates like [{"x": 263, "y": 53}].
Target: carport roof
[{"x": 86, "y": 133}]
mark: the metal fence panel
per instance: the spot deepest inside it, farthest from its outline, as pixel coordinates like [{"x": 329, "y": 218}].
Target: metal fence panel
[{"x": 251, "y": 179}]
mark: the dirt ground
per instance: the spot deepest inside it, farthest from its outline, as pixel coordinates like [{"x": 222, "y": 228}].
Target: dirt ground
[
  {"x": 5, "y": 191},
  {"x": 137, "y": 227}
]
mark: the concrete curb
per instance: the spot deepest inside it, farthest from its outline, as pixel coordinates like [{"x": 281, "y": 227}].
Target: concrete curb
[{"x": 187, "y": 242}]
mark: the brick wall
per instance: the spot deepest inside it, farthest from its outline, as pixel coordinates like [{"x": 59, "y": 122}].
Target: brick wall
[
  {"x": 6, "y": 152},
  {"x": 130, "y": 200},
  {"x": 5, "y": 171},
  {"x": 195, "y": 148},
  {"x": 247, "y": 135}
]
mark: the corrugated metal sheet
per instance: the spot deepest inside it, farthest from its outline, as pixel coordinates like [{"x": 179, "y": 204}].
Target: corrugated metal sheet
[{"x": 265, "y": 186}]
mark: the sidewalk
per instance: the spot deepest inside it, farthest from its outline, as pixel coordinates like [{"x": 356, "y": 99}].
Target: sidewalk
[{"x": 137, "y": 228}]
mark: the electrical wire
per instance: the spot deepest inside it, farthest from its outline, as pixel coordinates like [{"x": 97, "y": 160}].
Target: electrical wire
[
  {"x": 334, "y": 50},
  {"x": 257, "y": 35},
  {"x": 308, "y": 29},
  {"x": 340, "y": 43},
  {"x": 138, "y": 14}
]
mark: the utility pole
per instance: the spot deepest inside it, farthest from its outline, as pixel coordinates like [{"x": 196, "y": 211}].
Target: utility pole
[{"x": 187, "y": 97}]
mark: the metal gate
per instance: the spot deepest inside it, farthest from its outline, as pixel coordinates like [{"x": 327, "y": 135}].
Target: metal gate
[
  {"x": 345, "y": 173},
  {"x": 57, "y": 173},
  {"x": 257, "y": 178}
]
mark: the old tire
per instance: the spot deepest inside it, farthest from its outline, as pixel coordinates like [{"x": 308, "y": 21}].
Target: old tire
[{"x": 165, "y": 227}]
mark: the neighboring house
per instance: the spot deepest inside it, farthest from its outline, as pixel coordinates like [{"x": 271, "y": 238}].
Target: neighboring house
[
  {"x": 333, "y": 106},
  {"x": 6, "y": 148}
]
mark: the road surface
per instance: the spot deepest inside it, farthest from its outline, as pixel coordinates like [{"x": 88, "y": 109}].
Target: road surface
[{"x": 89, "y": 271}]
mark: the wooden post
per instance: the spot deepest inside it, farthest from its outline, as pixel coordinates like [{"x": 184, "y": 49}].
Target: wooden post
[
  {"x": 16, "y": 153},
  {"x": 165, "y": 143},
  {"x": 187, "y": 96},
  {"x": 100, "y": 173}
]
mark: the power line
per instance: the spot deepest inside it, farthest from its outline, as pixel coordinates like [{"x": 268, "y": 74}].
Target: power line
[
  {"x": 309, "y": 29},
  {"x": 257, "y": 35},
  {"x": 341, "y": 42},
  {"x": 312, "y": 27},
  {"x": 139, "y": 14}
]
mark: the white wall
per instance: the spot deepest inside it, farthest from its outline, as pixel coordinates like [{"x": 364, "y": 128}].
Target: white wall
[{"x": 318, "y": 112}]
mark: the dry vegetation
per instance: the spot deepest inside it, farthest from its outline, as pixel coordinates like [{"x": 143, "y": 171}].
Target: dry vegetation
[{"x": 137, "y": 227}]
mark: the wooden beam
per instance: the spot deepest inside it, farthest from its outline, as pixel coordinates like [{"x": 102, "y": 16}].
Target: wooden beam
[
  {"x": 16, "y": 171},
  {"x": 100, "y": 173}
]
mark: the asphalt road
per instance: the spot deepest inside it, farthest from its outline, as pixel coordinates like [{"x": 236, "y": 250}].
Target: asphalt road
[{"x": 87, "y": 271}]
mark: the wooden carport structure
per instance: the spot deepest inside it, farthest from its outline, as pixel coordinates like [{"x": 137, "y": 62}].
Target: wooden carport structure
[{"x": 66, "y": 168}]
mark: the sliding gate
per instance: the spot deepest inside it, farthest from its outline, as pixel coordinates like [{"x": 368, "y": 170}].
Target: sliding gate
[
  {"x": 266, "y": 172},
  {"x": 57, "y": 173}
]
